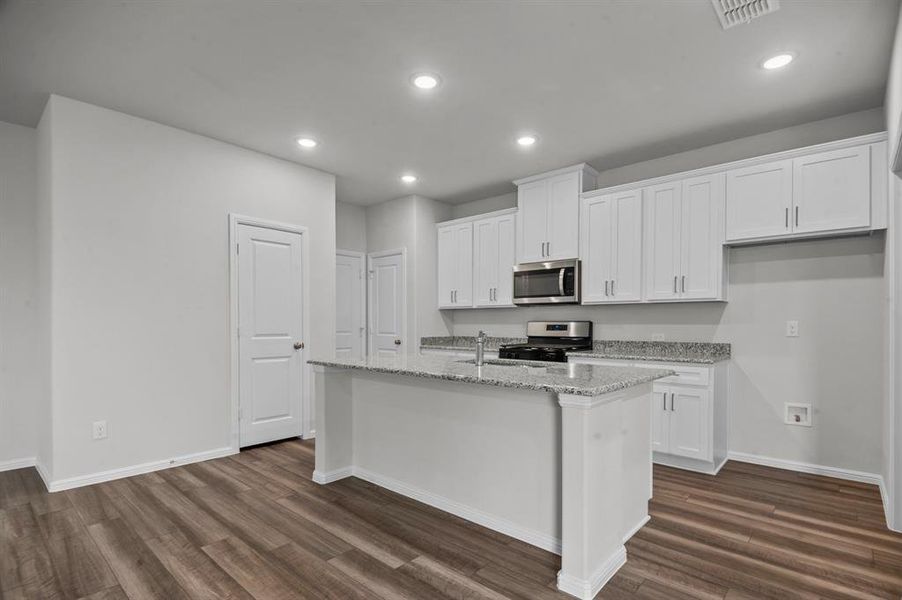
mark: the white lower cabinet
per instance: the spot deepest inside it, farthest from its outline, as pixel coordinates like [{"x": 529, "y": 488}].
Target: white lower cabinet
[{"x": 688, "y": 414}]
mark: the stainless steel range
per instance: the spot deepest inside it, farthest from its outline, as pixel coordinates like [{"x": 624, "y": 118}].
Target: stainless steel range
[{"x": 550, "y": 341}]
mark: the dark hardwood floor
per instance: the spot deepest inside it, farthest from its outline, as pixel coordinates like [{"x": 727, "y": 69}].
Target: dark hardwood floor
[{"x": 255, "y": 526}]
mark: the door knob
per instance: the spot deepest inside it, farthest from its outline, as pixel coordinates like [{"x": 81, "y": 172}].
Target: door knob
[
  {"x": 397, "y": 342},
  {"x": 299, "y": 345}
]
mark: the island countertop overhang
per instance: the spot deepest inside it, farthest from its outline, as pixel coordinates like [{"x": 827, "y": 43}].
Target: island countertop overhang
[{"x": 557, "y": 378}]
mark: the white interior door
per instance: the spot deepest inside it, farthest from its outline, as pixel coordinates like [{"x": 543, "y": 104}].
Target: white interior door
[
  {"x": 350, "y": 305},
  {"x": 387, "y": 292},
  {"x": 270, "y": 334}
]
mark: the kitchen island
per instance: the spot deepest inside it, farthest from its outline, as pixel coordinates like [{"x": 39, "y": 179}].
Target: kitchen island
[{"x": 555, "y": 454}]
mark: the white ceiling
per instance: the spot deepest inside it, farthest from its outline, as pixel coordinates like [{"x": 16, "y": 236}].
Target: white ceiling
[{"x": 605, "y": 82}]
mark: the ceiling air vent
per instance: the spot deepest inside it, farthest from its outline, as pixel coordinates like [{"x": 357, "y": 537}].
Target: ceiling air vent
[{"x": 737, "y": 12}]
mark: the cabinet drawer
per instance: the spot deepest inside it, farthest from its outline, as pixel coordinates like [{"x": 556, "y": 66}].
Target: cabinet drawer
[{"x": 685, "y": 375}]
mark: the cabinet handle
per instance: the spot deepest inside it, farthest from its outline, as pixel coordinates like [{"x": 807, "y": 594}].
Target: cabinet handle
[
  {"x": 455, "y": 296},
  {"x": 494, "y": 295},
  {"x": 606, "y": 287},
  {"x": 684, "y": 284},
  {"x": 786, "y": 217},
  {"x": 672, "y": 398},
  {"x": 612, "y": 288},
  {"x": 549, "y": 249},
  {"x": 451, "y": 296},
  {"x": 674, "y": 284},
  {"x": 797, "y": 216},
  {"x": 665, "y": 400}
]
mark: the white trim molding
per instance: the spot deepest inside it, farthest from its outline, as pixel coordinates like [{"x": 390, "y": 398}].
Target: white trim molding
[
  {"x": 148, "y": 467},
  {"x": 588, "y": 589},
  {"x": 17, "y": 463},
  {"x": 323, "y": 477},
  {"x": 635, "y": 529},
  {"x": 800, "y": 467}
]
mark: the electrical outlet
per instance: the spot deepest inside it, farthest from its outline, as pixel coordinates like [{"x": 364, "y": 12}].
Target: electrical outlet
[
  {"x": 99, "y": 430},
  {"x": 792, "y": 329}
]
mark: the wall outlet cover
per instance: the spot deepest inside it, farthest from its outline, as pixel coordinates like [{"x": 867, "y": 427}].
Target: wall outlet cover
[
  {"x": 797, "y": 414},
  {"x": 99, "y": 430}
]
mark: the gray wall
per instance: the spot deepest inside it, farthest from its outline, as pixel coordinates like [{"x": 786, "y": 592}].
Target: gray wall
[
  {"x": 835, "y": 288},
  {"x": 350, "y": 227},
  {"x": 19, "y": 354}
]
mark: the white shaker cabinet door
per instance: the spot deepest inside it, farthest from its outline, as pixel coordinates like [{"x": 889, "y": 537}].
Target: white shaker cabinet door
[
  {"x": 463, "y": 296},
  {"x": 597, "y": 222},
  {"x": 759, "y": 201},
  {"x": 563, "y": 217},
  {"x": 690, "y": 423},
  {"x": 701, "y": 239},
  {"x": 660, "y": 418},
  {"x": 485, "y": 261},
  {"x": 447, "y": 266},
  {"x": 832, "y": 190},
  {"x": 507, "y": 257},
  {"x": 626, "y": 262},
  {"x": 662, "y": 241},
  {"x": 532, "y": 200}
]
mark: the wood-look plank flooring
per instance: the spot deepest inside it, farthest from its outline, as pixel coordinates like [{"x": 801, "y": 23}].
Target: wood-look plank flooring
[{"x": 254, "y": 526}]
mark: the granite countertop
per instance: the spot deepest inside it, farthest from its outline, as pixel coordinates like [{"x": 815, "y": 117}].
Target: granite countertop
[
  {"x": 672, "y": 352},
  {"x": 559, "y": 378}
]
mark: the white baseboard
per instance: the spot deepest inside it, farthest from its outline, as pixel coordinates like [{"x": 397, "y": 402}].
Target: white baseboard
[
  {"x": 59, "y": 485},
  {"x": 330, "y": 476},
  {"x": 587, "y": 589},
  {"x": 791, "y": 465},
  {"x": 848, "y": 474},
  {"x": 688, "y": 464},
  {"x": 493, "y": 522},
  {"x": 636, "y": 528},
  {"x": 17, "y": 463}
]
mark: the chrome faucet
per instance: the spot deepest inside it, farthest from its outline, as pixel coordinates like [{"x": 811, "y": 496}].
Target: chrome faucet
[{"x": 480, "y": 348}]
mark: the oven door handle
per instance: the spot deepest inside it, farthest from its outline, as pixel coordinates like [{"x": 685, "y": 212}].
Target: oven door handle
[{"x": 560, "y": 281}]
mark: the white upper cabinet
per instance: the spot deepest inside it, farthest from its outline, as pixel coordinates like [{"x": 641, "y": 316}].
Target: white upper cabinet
[
  {"x": 839, "y": 189},
  {"x": 662, "y": 236},
  {"x": 611, "y": 237},
  {"x": 759, "y": 200},
  {"x": 832, "y": 190},
  {"x": 494, "y": 256},
  {"x": 455, "y": 265},
  {"x": 548, "y": 218},
  {"x": 684, "y": 240},
  {"x": 701, "y": 238}
]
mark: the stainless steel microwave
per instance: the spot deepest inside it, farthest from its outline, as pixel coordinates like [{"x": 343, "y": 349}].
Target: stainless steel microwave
[{"x": 554, "y": 282}]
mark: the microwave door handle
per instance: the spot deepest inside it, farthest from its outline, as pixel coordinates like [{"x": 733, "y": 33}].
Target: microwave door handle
[{"x": 560, "y": 280}]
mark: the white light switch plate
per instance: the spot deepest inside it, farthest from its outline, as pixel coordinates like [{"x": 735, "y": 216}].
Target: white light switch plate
[{"x": 792, "y": 329}]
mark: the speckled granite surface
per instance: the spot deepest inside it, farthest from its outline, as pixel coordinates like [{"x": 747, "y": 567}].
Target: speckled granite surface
[
  {"x": 680, "y": 352},
  {"x": 674, "y": 352},
  {"x": 458, "y": 342},
  {"x": 560, "y": 378}
]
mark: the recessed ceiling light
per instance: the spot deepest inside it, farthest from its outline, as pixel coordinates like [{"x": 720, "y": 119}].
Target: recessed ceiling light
[
  {"x": 778, "y": 61},
  {"x": 306, "y": 142},
  {"x": 526, "y": 140},
  {"x": 409, "y": 178},
  {"x": 425, "y": 81}
]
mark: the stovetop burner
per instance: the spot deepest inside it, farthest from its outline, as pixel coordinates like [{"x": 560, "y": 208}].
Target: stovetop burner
[{"x": 550, "y": 340}]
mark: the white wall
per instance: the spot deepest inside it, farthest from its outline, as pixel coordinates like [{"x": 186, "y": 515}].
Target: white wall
[
  {"x": 140, "y": 281},
  {"x": 19, "y": 346},
  {"x": 44, "y": 276},
  {"x": 350, "y": 227},
  {"x": 835, "y": 288}
]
